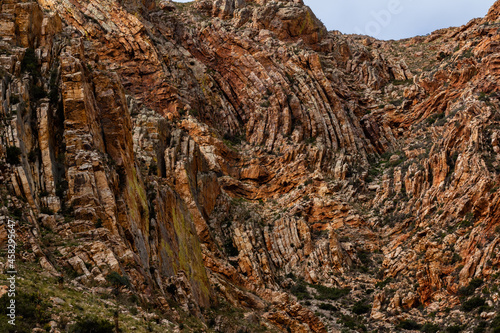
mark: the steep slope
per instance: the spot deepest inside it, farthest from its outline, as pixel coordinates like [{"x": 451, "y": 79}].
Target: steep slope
[{"x": 232, "y": 166}]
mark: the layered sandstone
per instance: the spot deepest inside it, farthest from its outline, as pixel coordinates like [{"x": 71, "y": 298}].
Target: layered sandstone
[{"x": 245, "y": 169}]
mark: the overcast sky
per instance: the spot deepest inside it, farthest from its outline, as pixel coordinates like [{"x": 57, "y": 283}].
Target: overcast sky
[{"x": 395, "y": 19}]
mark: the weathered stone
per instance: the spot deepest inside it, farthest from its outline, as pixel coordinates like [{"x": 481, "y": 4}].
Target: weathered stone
[{"x": 236, "y": 150}]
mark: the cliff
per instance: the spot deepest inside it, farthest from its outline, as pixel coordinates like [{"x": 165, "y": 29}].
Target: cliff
[{"x": 232, "y": 166}]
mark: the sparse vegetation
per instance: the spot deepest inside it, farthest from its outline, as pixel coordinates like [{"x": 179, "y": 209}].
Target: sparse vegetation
[
  {"x": 495, "y": 324},
  {"x": 361, "y": 307},
  {"x": 382, "y": 284},
  {"x": 352, "y": 323},
  {"x": 330, "y": 293},
  {"x": 396, "y": 102},
  {"x": 409, "y": 325},
  {"x": 454, "y": 329},
  {"x": 382, "y": 209},
  {"x": 32, "y": 310},
  {"x": 473, "y": 303},
  {"x": 299, "y": 290},
  {"x": 471, "y": 287},
  {"x": 434, "y": 117},
  {"x": 117, "y": 280},
  {"x": 92, "y": 325},
  {"x": 402, "y": 82},
  {"x": 483, "y": 97},
  {"x": 430, "y": 328},
  {"x": 328, "y": 307},
  {"x": 233, "y": 140}
]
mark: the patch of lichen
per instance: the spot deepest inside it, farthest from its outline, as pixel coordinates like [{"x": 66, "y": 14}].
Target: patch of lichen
[
  {"x": 190, "y": 257},
  {"x": 137, "y": 199},
  {"x": 307, "y": 23}
]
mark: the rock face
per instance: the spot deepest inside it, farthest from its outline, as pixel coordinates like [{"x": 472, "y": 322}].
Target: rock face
[{"x": 243, "y": 169}]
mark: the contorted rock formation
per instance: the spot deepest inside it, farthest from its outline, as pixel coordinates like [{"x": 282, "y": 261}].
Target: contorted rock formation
[{"x": 231, "y": 166}]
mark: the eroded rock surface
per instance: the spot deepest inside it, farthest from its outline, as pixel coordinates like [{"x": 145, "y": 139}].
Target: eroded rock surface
[{"x": 239, "y": 168}]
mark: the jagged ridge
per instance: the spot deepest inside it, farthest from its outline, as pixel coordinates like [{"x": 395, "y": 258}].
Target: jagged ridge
[{"x": 237, "y": 154}]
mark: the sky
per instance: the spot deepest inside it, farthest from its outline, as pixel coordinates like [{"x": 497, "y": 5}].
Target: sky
[{"x": 395, "y": 19}]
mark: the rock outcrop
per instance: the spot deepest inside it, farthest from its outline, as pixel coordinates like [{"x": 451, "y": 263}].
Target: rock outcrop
[{"x": 237, "y": 167}]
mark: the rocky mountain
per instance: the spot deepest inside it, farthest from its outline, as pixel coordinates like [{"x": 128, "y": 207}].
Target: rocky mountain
[{"x": 232, "y": 166}]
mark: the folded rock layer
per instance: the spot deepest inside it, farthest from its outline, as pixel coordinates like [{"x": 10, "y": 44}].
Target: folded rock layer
[{"x": 232, "y": 166}]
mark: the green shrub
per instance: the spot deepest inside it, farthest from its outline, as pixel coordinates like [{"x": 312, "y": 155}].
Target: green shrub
[
  {"x": 265, "y": 104},
  {"x": 473, "y": 303},
  {"x": 454, "y": 329},
  {"x": 348, "y": 321},
  {"x": 495, "y": 324},
  {"x": 364, "y": 257},
  {"x": 231, "y": 140},
  {"x": 382, "y": 284},
  {"x": 408, "y": 324},
  {"x": 31, "y": 310},
  {"x": 13, "y": 154},
  {"x": 92, "y": 325},
  {"x": 456, "y": 258},
  {"x": 430, "y": 328},
  {"x": 352, "y": 323},
  {"x": 330, "y": 293},
  {"x": 481, "y": 327},
  {"x": 311, "y": 140},
  {"x": 17, "y": 213},
  {"x": 483, "y": 97},
  {"x": 299, "y": 290},
  {"x": 361, "y": 308},
  {"x": 117, "y": 280},
  {"x": 436, "y": 116},
  {"x": 473, "y": 285},
  {"x": 466, "y": 54},
  {"x": 328, "y": 307},
  {"x": 402, "y": 82}
]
